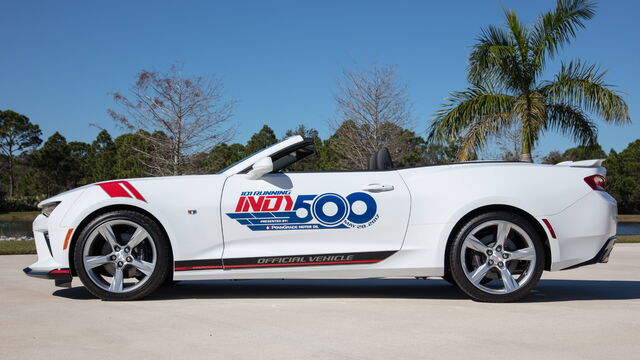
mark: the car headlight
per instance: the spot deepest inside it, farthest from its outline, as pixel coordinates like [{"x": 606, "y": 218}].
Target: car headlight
[{"x": 47, "y": 209}]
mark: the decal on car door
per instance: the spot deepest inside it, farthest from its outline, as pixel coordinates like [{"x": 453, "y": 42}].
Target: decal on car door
[{"x": 280, "y": 210}]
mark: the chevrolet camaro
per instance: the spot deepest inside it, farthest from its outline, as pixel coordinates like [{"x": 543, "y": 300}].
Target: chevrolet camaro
[{"x": 489, "y": 227}]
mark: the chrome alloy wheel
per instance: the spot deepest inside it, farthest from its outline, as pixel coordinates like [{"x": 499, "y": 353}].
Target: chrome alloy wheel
[
  {"x": 498, "y": 257},
  {"x": 119, "y": 256}
]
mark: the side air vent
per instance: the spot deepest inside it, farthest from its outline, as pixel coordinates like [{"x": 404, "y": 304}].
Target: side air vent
[{"x": 46, "y": 239}]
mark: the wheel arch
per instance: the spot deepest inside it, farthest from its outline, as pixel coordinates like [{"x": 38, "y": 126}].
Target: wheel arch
[
  {"x": 499, "y": 207},
  {"x": 106, "y": 209}
]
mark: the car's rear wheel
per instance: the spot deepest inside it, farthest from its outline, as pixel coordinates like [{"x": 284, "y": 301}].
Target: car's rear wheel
[
  {"x": 497, "y": 257},
  {"x": 122, "y": 255},
  {"x": 448, "y": 278}
]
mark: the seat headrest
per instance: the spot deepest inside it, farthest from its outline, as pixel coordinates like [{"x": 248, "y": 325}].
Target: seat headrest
[
  {"x": 372, "y": 162},
  {"x": 383, "y": 159}
]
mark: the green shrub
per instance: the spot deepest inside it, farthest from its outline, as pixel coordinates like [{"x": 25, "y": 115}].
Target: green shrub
[{"x": 20, "y": 203}]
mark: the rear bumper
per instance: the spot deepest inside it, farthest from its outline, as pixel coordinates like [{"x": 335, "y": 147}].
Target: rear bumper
[
  {"x": 583, "y": 230},
  {"x": 62, "y": 277},
  {"x": 601, "y": 257}
]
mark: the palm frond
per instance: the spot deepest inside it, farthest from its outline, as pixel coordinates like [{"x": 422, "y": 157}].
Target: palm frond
[
  {"x": 571, "y": 121},
  {"x": 493, "y": 57},
  {"x": 477, "y": 134},
  {"x": 520, "y": 34},
  {"x": 556, "y": 28},
  {"x": 471, "y": 111},
  {"x": 582, "y": 85}
]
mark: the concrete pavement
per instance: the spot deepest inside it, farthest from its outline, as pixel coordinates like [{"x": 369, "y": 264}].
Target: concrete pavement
[{"x": 587, "y": 313}]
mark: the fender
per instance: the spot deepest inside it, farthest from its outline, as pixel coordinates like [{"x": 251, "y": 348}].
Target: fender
[{"x": 94, "y": 199}]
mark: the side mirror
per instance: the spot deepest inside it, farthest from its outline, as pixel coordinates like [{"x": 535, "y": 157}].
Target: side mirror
[{"x": 260, "y": 168}]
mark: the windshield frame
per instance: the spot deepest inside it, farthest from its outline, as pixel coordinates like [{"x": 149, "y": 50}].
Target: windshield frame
[{"x": 275, "y": 149}]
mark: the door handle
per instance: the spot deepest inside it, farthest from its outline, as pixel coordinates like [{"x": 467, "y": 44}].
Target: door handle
[{"x": 377, "y": 188}]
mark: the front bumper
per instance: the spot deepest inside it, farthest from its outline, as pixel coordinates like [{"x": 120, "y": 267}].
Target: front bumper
[
  {"x": 62, "y": 277},
  {"x": 52, "y": 260}
]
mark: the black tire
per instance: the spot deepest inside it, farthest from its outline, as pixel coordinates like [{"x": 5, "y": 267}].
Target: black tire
[
  {"x": 456, "y": 260},
  {"x": 162, "y": 259},
  {"x": 448, "y": 278},
  {"x": 170, "y": 283}
]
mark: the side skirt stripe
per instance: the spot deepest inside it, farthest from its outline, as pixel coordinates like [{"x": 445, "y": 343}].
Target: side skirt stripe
[
  {"x": 183, "y": 268},
  {"x": 306, "y": 263},
  {"x": 284, "y": 261}
]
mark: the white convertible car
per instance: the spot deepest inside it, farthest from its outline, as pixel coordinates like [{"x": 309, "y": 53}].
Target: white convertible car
[{"x": 491, "y": 228}]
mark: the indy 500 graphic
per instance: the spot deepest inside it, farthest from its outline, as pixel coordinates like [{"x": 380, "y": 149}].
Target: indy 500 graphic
[{"x": 279, "y": 210}]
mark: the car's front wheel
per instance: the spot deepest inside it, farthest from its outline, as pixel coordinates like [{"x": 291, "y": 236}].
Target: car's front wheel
[
  {"x": 122, "y": 255},
  {"x": 497, "y": 257}
]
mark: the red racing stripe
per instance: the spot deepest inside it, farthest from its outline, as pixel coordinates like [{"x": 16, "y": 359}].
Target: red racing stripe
[
  {"x": 133, "y": 190},
  {"x": 117, "y": 189},
  {"x": 114, "y": 189}
]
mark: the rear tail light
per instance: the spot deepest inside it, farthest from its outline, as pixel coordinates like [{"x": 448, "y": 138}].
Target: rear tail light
[{"x": 596, "y": 182}]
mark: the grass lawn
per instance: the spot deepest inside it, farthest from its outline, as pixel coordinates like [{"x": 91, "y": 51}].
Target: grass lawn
[
  {"x": 17, "y": 247},
  {"x": 628, "y": 238},
  {"x": 19, "y": 216},
  {"x": 629, "y": 218}
]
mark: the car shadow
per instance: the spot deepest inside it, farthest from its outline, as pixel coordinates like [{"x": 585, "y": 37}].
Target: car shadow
[{"x": 546, "y": 291}]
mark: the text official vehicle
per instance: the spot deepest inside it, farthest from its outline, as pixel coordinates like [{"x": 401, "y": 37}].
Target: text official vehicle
[{"x": 491, "y": 228}]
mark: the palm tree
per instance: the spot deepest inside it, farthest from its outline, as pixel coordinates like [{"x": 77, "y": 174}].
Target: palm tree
[{"x": 504, "y": 69}]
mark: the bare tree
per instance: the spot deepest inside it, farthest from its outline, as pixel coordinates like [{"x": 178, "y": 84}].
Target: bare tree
[
  {"x": 507, "y": 145},
  {"x": 176, "y": 116},
  {"x": 373, "y": 109},
  {"x": 509, "y": 142}
]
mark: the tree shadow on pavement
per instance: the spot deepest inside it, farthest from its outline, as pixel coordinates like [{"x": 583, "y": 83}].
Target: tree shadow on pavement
[{"x": 546, "y": 291}]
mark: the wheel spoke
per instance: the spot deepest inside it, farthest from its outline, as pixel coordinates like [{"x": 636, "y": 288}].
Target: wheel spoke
[
  {"x": 91, "y": 262},
  {"x": 509, "y": 282},
  {"x": 118, "y": 281},
  {"x": 107, "y": 233},
  {"x": 475, "y": 244},
  {"x": 478, "y": 274},
  {"x": 138, "y": 236},
  {"x": 523, "y": 254},
  {"x": 144, "y": 266},
  {"x": 503, "y": 231}
]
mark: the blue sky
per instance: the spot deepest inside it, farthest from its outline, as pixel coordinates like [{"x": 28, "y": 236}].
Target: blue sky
[{"x": 278, "y": 59}]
